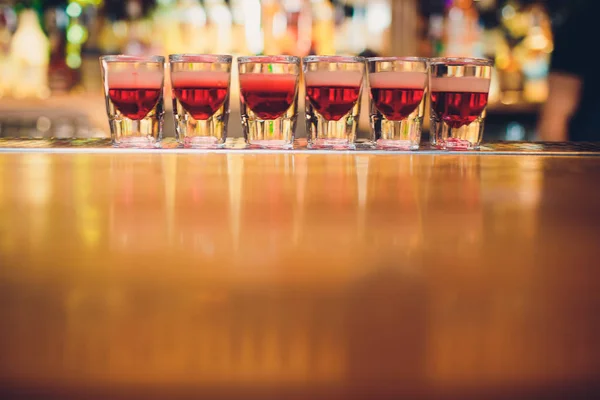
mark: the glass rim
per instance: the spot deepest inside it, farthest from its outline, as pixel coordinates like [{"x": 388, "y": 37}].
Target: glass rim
[
  {"x": 266, "y": 59},
  {"x": 334, "y": 59},
  {"x": 464, "y": 61},
  {"x": 399, "y": 58},
  {"x": 132, "y": 59},
  {"x": 200, "y": 58}
]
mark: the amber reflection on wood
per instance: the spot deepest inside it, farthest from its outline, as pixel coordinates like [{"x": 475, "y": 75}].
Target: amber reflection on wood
[{"x": 326, "y": 276}]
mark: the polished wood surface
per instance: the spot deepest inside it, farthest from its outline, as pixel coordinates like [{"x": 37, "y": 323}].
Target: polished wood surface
[{"x": 308, "y": 276}]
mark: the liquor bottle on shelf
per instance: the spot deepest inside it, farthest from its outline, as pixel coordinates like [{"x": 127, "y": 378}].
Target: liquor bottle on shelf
[
  {"x": 378, "y": 20},
  {"x": 492, "y": 42},
  {"x": 165, "y": 24},
  {"x": 358, "y": 34},
  {"x": 352, "y": 32},
  {"x": 192, "y": 25},
  {"x": 112, "y": 34},
  {"x": 248, "y": 17},
  {"x": 297, "y": 39},
  {"x": 343, "y": 19},
  {"x": 323, "y": 30},
  {"x": 511, "y": 79},
  {"x": 7, "y": 22},
  {"x": 220, "y": 26},
  {"x": 29, "y": 53},
  {"x": 509, "y": 53},
  {"x": 60, "y": 76},
  {"x": 462, "y": 30},
  {"x": 136, "y": 41},
  {"x": 287, "y": 27},
  {"x": 536, "y": 56},
  {"x": 436, "y": 34},
  {"x": 238, "y": 29},
  {"x": 271, "y": 16}
]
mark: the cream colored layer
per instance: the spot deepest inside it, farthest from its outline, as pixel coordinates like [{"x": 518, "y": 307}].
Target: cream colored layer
[
  {"x": 262, "y": 81},
  {"x": 133, "y": 79},
  {"x": 200, "y": 78},
  {"x": 334, "y": 78},
  {"x": 398, "y": 80},
  {"x": 464, "y": 84}
]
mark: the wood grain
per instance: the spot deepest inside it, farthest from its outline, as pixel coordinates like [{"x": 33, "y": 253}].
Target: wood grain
[{"x": 283, "y": 276}]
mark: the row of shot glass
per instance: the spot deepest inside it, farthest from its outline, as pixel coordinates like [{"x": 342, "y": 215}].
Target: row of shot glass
[{"x": 398, "y": 89}]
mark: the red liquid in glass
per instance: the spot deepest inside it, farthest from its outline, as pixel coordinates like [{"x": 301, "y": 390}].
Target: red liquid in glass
[
  {"x": 332, "y": 102},
  {"x": 134, "y": 103},
  {"x": 396, "y": 104},
  {"x": 268, "y": 95},
  {"x": 201, "y": 102},
  {"x": 458, "y": 108}
]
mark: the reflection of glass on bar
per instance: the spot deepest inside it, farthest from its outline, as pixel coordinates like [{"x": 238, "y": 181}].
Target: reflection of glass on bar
[
  {"x": 397, "y": 94},
  {"x": 459, "y": 96},
  {"x": 200, "y": 99},
  {"x": 269, "y": 100},
  {"x": 333, "y": 91},
  {"x": 133, "y": 88}
]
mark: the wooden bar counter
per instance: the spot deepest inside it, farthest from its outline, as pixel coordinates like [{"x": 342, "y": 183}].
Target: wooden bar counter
[{"x": 299, "y": 275}]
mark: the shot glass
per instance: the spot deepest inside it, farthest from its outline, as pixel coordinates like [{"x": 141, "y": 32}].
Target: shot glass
[
  {"x": 133, "y": 90},
  {"x": 333, "y": 90},
  {"x": 269, "y": 100},
  {"x": 459, "y": 95},
  {"x": 200, "y": 86},
  {"x": 397, "y": 87}
]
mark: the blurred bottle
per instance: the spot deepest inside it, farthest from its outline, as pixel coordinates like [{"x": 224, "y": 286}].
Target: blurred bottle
[
  {"x": 166, "y": 27},
  {"x": 192, "y": 26},
  {"x": 29, "y": 54},
  {"x": 352, "y": 32},
  {"x": 436, "y": 34},
  {"x": 297, "y": 38},
  {"x": 67, "y": 34},
  {"x": 511, "y": 79},
  {"x": 93, "y": 20},
  {"x": 462, "y": 31},
  {"x": 238, "y": 36},
  {"x": 510, "y": 55},
  {"x": 323, "y": 32},
  {"x": 60, "y": 76},
  {"x": 8, "y": 20},
  {"x": 536, "y": 58},
  {"x": 273, "y": 25},
  {"x": 220, "y": 26},
  {"x": 378, "y": 20},
  {"x": 358, "y": 32},
  {"x": 77, "y": 36},
  {"x": 137, "y": 39},
  {"x": 113, "y": 30},
  {"x": 251, "y": 16},
  {"x": 492, "y": 43}
]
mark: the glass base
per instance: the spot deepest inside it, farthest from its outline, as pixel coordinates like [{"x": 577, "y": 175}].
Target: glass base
[
  {"x": 208, "y": 133},
  {"x": 383, "y": 144},
  {"x": 466, "y": 137},
  {"x": 396, "y": 135},
  {"x": 459, "y": 144},
  {"x": 323, "y": 134},
  {"x": 202, "y": 142},
  {"x": 364, "y": 144},
  {"x": 144, "y": 133},
  {"x": 455, "y": 145},
  {"x": 276, "y": 134},
  {"x": 331, "y": 144},
  {"x": 270, "y": 144},
  {"x": 137, "y": 142}
]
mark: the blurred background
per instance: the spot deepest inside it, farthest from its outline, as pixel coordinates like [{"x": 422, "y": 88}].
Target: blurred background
[{"x": 50, "y": 84}]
